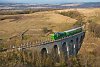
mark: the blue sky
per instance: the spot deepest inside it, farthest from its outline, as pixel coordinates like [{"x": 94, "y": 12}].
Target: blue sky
[{"x": 46, "y": 1}]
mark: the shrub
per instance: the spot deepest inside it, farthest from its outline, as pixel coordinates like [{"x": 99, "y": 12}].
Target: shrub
[{"x": 46, "y": 30}]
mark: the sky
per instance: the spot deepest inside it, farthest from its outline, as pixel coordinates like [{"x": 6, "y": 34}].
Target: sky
[{"x": 45, "y": 1}]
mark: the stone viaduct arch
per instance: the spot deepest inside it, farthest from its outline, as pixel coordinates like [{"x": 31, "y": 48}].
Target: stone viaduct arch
[{"x": 68, "y": 45}]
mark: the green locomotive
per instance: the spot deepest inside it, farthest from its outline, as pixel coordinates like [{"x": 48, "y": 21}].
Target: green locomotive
[{"x": 60, "y": 35}]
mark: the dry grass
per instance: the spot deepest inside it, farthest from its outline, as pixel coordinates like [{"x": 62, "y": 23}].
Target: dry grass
[
  {"x": 90, "y": 55},
  {"x": 12, "y": 25}
]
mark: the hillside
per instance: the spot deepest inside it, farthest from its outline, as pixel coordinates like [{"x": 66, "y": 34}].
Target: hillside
[
  {"x": 12, "y": 25},
  {"x": 23, "y": 6}
]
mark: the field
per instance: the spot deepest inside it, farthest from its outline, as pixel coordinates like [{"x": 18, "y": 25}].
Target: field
[{"x": 36, "y": 26}]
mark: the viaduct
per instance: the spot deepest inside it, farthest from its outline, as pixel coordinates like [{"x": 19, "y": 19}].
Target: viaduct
[{"x": 68, "y": 45}]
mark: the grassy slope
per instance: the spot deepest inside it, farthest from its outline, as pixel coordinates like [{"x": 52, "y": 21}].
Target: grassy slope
[
  {"x": 16, "y": 24},
  {"x": 90, "y": 47}
]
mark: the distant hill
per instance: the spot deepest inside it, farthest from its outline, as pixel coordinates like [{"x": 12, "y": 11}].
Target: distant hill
[
  {"x": 21, "y": 6},
  {"x": 89, "y": 4}
]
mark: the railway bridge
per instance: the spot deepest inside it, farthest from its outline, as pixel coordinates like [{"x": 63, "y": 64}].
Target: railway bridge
[{"x": 68, "y": 45}]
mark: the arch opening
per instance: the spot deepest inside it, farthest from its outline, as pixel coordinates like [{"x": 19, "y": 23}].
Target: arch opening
[
  {"x": 77, "y": 45},
  {"x": 64, "y": 49},
  {"x": 55, "y": 54},
  {"x": 44, "y": 52},
  {"x": 81, "y": 40},
  {"x": 55, "y": 49},
  {"x": 71, "y": 47}
]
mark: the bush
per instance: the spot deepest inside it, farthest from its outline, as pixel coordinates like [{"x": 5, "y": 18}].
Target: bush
[{"x": 46, "y": 30}]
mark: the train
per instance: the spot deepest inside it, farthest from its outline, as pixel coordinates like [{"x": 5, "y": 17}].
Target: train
[{"x": 59, "y": 35}]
